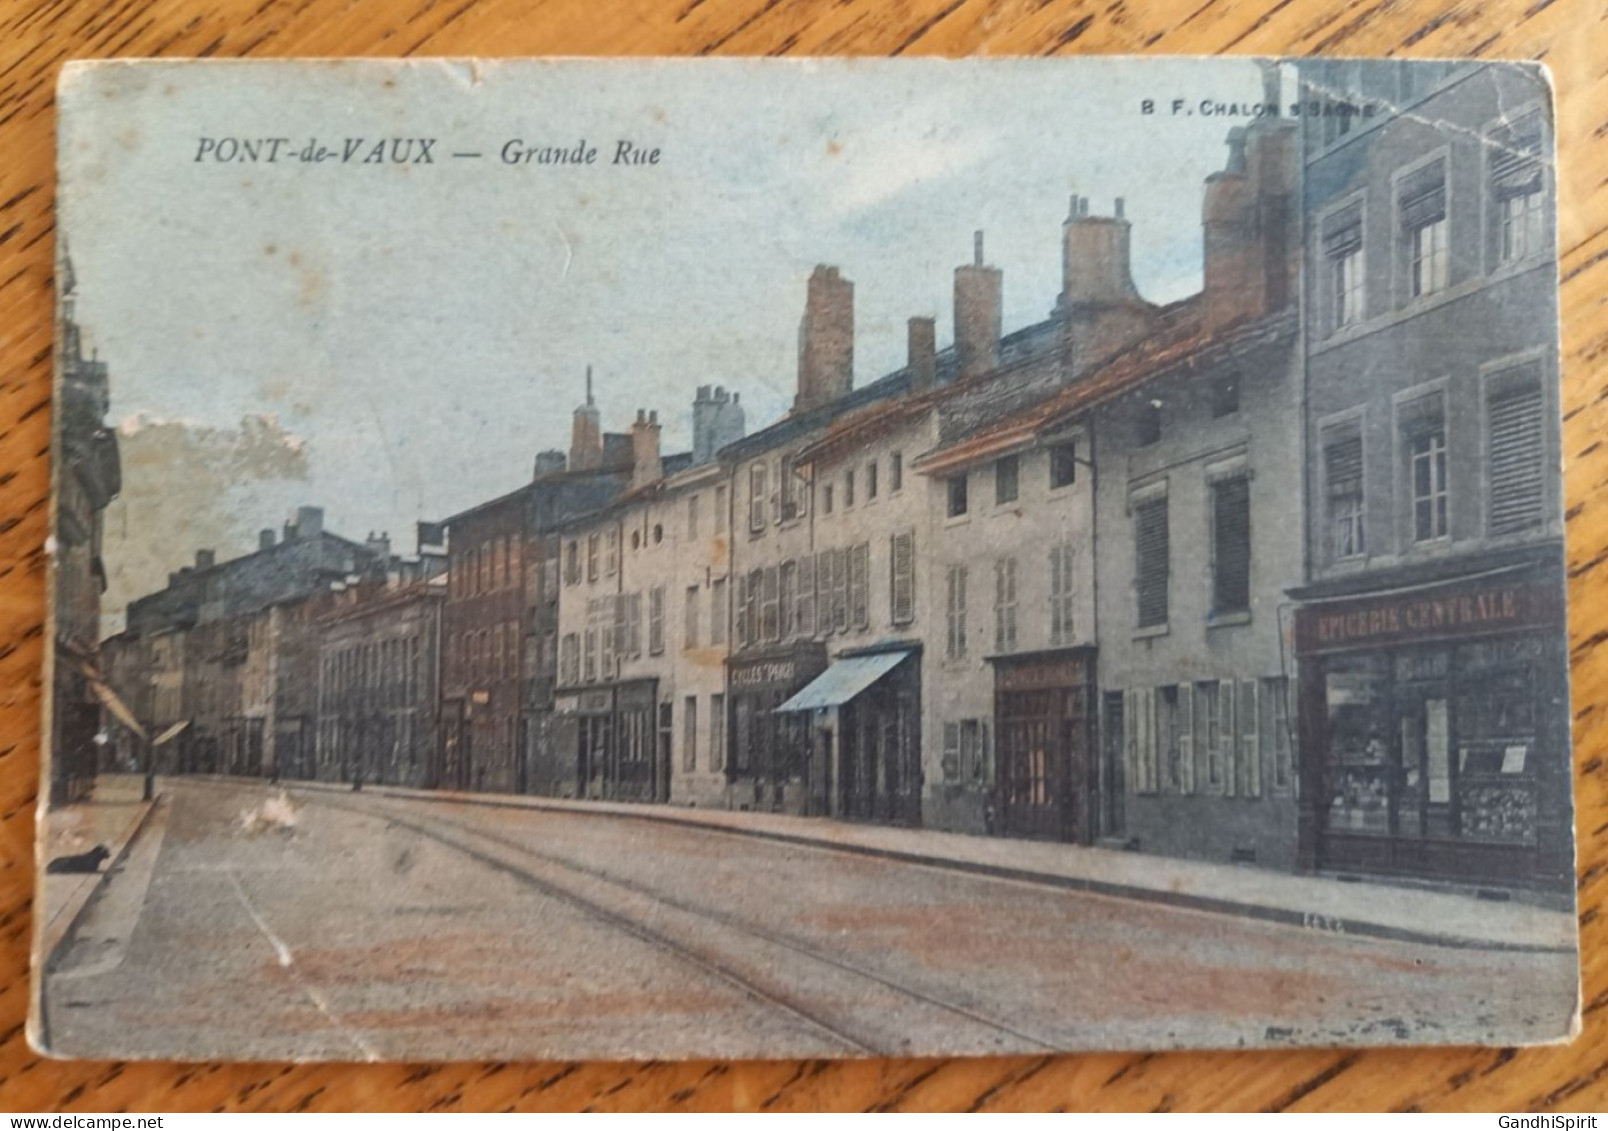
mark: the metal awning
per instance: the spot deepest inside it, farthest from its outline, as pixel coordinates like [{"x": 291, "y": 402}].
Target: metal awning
[{"x": 844, "y": 680}]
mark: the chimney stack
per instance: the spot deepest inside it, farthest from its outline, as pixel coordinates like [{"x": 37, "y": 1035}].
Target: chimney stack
[
  {"x": 923, "y": 361},
  {"x": 825, "y": 340},
  {"x": 586, "y": 433},
  {"x": 978, "y": 299},
  {"x": 646, "y": 467},
  {"x": 1247, "y": 221},
  {"x": 1095, "y": 266},
  {"x": 265, "y": 539},
  {"x": 309, "y": 522},
  {"x": 206, "y": 559},
  {"x": 717, "y": 420},
  {"x": 549, "y": 462},
  {"x": 379, "y": 544}
]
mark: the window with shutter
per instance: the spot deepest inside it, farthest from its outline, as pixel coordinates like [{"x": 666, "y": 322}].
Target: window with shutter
[
  {"x": 689, "y": 625},
  {"x": 656, "y": 620},
  {"x": 611, "y": 636},
  {"x": 757, "y": 491},
  {"x": 1342, "y": 256},
  {"x": 840, "y": 590},
  {"x": 1248, "y": 713},
  {"x": 1228, "y": 731},
  {"x": 611, "y": 554},
  {"x": 1186, "y": 740},
  {"x": 756, "y": 602},
  {"x": 1516, "y": 188},
  {"x": 951, "y": 762},
  {"x": 955, "y": 613},
  {"x": 740, "y": 612},
  {"x": 1342, "y": 473},
  {"x": 692, "y": 517},
  {"x": 787, "y": 599},
  {"x": 1172, "y": 770},
  {"x": 805, "y": 626},
  {"x": 1422, "y": 207},
  {"x": 1208, "y": 733},
  {"x": 1063, "y": 464},
  {"x": 823, "y": 588},
  {"x": 1005, "y": 605},
  {"x": 1231, "y": 545},
  {"x": 902, "y": 554},
  {"x": 717, "y": 732},
  {"x": 633, "y": 625},
  {"x": 1517, "y": 455},
  {"x": 1150, "y": 530},
  {"x": 591, "y": 655},
  {"x": 860, "y": 585},
  {"x": 769, "y": 606},
  {"x": 1062, "y": 633},
  {"x": 720, "y": 510},
  {"x": 689, "y": 734}
]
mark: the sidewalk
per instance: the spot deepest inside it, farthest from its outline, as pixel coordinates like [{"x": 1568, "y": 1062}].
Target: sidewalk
[
  {"x": 112, "y": 816},
  {"x": 1311, "y": 902}
]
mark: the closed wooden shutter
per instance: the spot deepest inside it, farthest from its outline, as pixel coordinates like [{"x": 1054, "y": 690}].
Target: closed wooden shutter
[
  {"x": 1250, "y": 757},
  {"x": 1423, "y": 197},
  {"x": 1517, "y": 455},
  {"x": 806, "y": 595},
  {"x": 770, "y": 605},
  {"x": 1516, "y": 159},
  {"x": 1226, "y": 733},
  {"x": 860, "y": 585},
  {"x": 823, "y": 589},
  {"x": 902, "y": 551},
  {"x": 741, "y": 609},
  {"x": 1231, "y": 550},
  {"x": 840, "y": 590},
  {"x": 1150, "y": 528},
  {"x": 1186, "y": 739},
  {"x": 656, "y": 620}
]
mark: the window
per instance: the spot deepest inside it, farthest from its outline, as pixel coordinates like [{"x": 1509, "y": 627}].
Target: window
[
  {"x": 965, "y": 756},
  {"x": 1147, "y": 427},
  {"x": 1423, "y": 423},
  {"x": 1247, "y": 779},
  {"x": 902, "y": 567},
  {"x": 1175, "y": 740},
  {"x": 1273, "y": 730},
  {"x": 757, "y": 476},
  {"x": 1516, "y": 451},
  {"x": 1342, "y": 474},
  {"x": 1005, "y": 605},
  {"x": 787, "y": 598},
  {"x": 1343, "y": 266},
  {"x": 692, "y": 517},
  {"x": 656, "y": 620},
  {"x": 1516, "y": 189},
  {"x": 499, "y": 563},
  {"x": 487, "y": 572},
  {"x": 870, "y": 481},
  {"x": 957, "y": 495},
  {"x": 793, "y": 493},
  {"x": 591, "y": 556},
  {"x": 1139, "y": 747},
  {"x": 496, "y": 653},
  {"x": 860, "y": 585},
  {"x": 804, "y": 603},
  {"x": 689, "y": 734},
  {"x": 848, "y": 487},
  {"x": 717, "y": 611},
  {"x": 840, "y": 590},
  {"x": 591, "y": 655},
  {"x": 689, "y": 627},
  {"x": 826, "y": 499},
  {"x": 1209, "y": 732},
  {"x": 658, "y": 533},
  {"x": 955, "y": 621},
  {"x": 1063, "y": 464},
  {"x": 717, "y": 732},
  {"x": 1151, "y": 554},
  {"x": 612, "y": 633},
  {"x": 1006, "y": 472},
  {"x": 823, "y": 590},
  {"x": 1225, "y": 395},
  {"x": 896, "y": 472},
  {"x": 1422, "y": 205},
  {"x": 572, "y": 563},
  {"x": 1231, "y": 545},
  {"x": 720, "y": 510},
  {"x": 611, "y": 552},
  {"x": 1062, "y": 559}
]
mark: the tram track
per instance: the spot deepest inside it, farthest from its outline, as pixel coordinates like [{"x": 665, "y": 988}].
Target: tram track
[{"x": 770, "y": 967}]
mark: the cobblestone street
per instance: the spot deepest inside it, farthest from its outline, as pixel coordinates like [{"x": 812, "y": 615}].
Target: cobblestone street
[{"x": 381, "y": 927}]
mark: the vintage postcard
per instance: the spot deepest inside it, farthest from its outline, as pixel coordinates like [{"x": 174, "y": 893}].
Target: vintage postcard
[{"x": 644, "y": 559}]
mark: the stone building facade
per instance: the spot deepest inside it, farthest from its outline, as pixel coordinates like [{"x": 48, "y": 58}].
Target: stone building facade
[{"x": 1434, "y": 712}]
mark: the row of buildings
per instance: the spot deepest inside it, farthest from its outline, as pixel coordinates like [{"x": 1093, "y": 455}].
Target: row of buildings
[{"x": 1270, "y": 574}]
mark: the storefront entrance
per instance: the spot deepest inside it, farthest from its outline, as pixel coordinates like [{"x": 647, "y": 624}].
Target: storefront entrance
[
  {"x": 772, "y": 767},
  {"x": 1044, "y": 724},
  {"x": 1434, "y": 728}
]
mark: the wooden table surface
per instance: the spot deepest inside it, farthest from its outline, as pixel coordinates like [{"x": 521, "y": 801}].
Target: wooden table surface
[{"x": 36, "y": 35}]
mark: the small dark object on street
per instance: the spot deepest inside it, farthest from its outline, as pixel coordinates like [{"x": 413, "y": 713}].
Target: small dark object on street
[{"x": 84, "y": 862}]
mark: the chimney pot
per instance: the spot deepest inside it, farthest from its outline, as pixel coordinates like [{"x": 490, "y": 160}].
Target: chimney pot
[
  {"x": 977, "y": 248},
  {"x": 1119, "y": 208},
  {"x": 265, "y": 539},
  {"x": 205, "y": 559}
]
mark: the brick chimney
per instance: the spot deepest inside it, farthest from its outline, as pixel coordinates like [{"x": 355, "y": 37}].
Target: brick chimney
[
  {"x": 1248, "y": 221},
  {"x": 978, "y": 291},
  {"x": 549, "y": 462},
  {"x": 923, "y": 363},
  {"x": 265, "y": 539},
  {"x": 1101, "y": 309},
  {"x": 309, "y": 522},
  {"x": 717, "y": 420},
  {"x": 206, "y": 559},
  {"x": 586, "y": 433},
  {"x": 646, "y": 466},
  {"x": 825, "y": 340}
]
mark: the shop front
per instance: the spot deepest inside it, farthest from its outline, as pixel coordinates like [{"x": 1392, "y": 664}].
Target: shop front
[
  {"x": 612, "y": 734},
  {"x": 1044, "y": 726},
  {"x": 772, "y": 764},
  {"x": 864, "y": 719},
  {"x": 1434, "y": 731}
]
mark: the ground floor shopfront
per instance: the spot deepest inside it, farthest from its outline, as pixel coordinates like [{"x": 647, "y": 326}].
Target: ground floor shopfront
[
  {"x": 1434, "y": 728},
  {"x": 772, "y": 762},
  {"x": 617, "y": 739}
]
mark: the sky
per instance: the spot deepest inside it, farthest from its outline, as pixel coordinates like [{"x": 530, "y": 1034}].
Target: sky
[{"x": 415, "y": 333}]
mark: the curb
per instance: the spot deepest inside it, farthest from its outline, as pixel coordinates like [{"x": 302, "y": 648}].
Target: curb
[
  {"x": 48, "y": 937},
  {"x": 1322, "y": 923}
]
